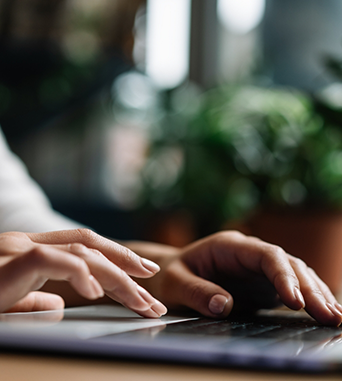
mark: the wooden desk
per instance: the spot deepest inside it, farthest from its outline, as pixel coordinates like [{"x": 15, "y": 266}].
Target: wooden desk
[{"x": 40, "y": 368}]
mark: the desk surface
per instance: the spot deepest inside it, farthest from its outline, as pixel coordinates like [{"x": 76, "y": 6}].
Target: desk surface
[{"x": 40, "y": 368}]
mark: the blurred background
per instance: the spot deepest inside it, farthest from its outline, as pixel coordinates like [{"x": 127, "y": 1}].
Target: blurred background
[{"x": 169, "y": 119}]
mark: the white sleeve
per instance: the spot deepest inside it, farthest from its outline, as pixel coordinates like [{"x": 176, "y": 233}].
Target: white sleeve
[{"x": 23, "y": 204}]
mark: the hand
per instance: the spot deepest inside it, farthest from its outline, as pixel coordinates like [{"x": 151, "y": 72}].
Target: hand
[
  {"x": 92, "y": 264},
  {"x": 210, "y": 274}
]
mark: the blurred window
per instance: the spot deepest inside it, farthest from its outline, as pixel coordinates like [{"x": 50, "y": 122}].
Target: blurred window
[
  {"x": 168, "y": 29},
  {"x": 240, "y": 16}
]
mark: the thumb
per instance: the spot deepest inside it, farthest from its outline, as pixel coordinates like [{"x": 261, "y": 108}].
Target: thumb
[
  {"x": 187, "y": 289},
  {"x": 38, "y": 301}
]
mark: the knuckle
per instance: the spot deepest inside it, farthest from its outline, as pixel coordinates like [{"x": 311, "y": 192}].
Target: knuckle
[
  {"x": 122, "y": 282},
  {"x": 280, "y": 276},
  {"x": 314, "y": 291},
  {"x": 80, "y": 266},
  {"x": 195, "y": 292},
  {"x": 77, "y": 248},
  {"x": 126, "y": 254},
  {"x": 325, "y": 288},
  {"x": 96, "y": 252},
  {"x": 299, "y": 263},
  {"x": 86, "y": 235},
  {"x": 267, "y": 251},
  {"x": 129, "y": 254},
  {"x": 254, "y": 238},
  {"x": 228, "y": 235},
  {"x": 234, "y": 234},
  {"x": 274, "y": 251},
  {"x": 36, "y": 256},
  {"x": 284, "y": 276},
  {"x": 312, "y": 272}
]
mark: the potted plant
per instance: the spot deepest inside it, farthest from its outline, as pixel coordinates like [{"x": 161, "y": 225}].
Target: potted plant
[{"x": 259, "y": 159}]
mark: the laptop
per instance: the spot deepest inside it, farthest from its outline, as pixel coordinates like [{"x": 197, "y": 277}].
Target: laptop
[{"x": 270, "y": 339}]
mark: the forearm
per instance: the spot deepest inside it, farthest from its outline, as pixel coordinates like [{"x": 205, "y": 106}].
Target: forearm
[{"x": 23, "y": 204}]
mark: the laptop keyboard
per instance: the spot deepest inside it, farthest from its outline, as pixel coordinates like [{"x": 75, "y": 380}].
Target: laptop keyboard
[
  {"x": 261, "y": 340},
  {"x": 270, "y": 328}
]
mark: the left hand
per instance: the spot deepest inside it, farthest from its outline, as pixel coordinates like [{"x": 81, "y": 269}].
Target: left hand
[
  {"x": 213, "y": 273},
  {"x": 90, "y": 263}
]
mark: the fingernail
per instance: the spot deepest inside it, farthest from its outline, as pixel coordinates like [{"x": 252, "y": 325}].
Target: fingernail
[
  {"x": 150, "y": 313},
  {"x": 145, "y": 295},
  {"x": 149, "y": 265},
  {"x": 155, "y": 305},
  {"x": 299, "y": 297},
  {"x": 217, "y": 304},
  {"x": 159, "y": 308},
  {"x": 97, "y": 290},
  {"x": 338, "y": 306},
  {"x": 334, "y": 310}
]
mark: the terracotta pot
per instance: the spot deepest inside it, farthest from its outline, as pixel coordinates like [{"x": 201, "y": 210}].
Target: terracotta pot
[{"x": 314, "y": 236}]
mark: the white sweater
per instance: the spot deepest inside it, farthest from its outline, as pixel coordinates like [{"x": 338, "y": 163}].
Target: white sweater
[{"x": 23, "y": 204}]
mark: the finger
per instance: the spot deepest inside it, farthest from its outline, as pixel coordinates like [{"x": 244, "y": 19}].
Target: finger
[
  {"x": 333, "y": 304},
  {"x": 317, "y": 299},
  {"x": 253, "y": 255},
  {"x": 117, "y": 284},
  {"x": 38, "y": 301},
  {"x": 183, "y": 288},
  {"x": 126, "y": 259},
  {"x": 289, "y": 275},
  {"x": 156, "y": 310},
  {"x": 14, "y": 243},
  {"x": 323, "y": 287},
  {"x": 30, "y": 271}
]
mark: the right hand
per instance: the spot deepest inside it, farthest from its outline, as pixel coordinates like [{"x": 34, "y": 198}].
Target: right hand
[
  {"x": 93, "y": 265},
  {"x": 226, "y": 268}
]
